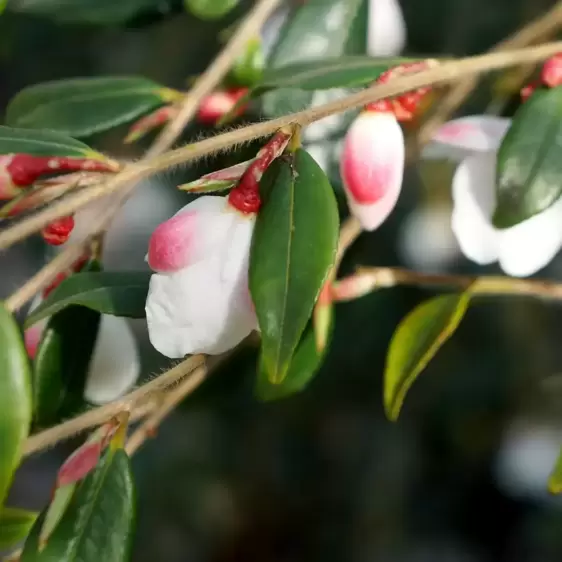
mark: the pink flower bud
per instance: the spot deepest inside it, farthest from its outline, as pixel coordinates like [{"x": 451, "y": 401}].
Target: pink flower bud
[
  {"x": 551, "y": 73},
  {"x": 218, "y": 104},
  {"x": 372, "y": 166}
]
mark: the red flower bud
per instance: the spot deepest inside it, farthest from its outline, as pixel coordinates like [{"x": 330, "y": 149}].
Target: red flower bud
[
  {"x": 219, "y": 103},
  {"x": 58, "y": 231},
  {"x": 551, "y": 73},
  {"x": 151, "y": 121}
]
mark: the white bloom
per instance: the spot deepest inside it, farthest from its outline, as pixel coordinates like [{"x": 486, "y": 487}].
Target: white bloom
[
  {"x": 372, "y": 167},
  {"x": 198, "y": 301},
  {"x": 520, "y": 250},
  {"x": 387, "y": 28},
  {"x": 115, "y": 364}
]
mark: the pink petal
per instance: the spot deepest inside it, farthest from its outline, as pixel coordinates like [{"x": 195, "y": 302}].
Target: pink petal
[{"x": 372, "y": 167}]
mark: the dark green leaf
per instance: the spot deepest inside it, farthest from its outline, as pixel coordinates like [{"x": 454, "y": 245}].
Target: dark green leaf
[
  {"x": 15, "y": 525},
  {"x": 83, "y": 106},
  {"x": 555, "y": 478},
  {"x": 416, "y": 341},
  {"x": 304, "y": 365},
  {"x": 316, "y": 28},
  {"x": 15, "y": 398},
  {"x": 42, "y": 143},
  {"x": 115, "y": 293},
  {"x": 293, "y": 248},
  {"x": 248, "y": 68},
  {"x": 210, "y": 9},
  {"x": 530, "y": 160},
  {"x": 102, "y": 12},
  {"x": 98, "y": 523}
]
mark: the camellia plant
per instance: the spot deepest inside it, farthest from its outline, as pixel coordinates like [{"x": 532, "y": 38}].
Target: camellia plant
[{"x": 258, "y": 247}]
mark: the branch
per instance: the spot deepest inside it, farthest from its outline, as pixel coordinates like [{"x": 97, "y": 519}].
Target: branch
[
  {"x": 368, "y": 279},
  {"x": 214, "y": 74},
  {"x": 543, "y": 26},
  {"x": 442, "y": 74},
  {"x": 134, "y": 400}
]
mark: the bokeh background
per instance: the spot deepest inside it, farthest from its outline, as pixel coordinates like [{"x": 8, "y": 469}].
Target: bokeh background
[{"x": 323, "y": 476}]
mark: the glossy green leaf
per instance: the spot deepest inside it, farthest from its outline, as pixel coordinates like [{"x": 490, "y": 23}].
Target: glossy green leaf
[
  {"x": 293, "y": 248},
  {"x": 415, "y": 342},
  {"x": 15, "y": 525},
  {"x": 101, "y": 12},
  {"x": 305, "y": 363},
  {"x": 3, "y": 4},
  {"x": 115, "y": 293},
  {"x": 530, "y": 160},
  {"x": 83, "y": 106},
  {"x": 210, "y": 9},
  {"x": 555, "y": 478},
  {"x": 15, "y": 398},
  {"x": 42, "y": 143},
  {"x": 316, "y": 29},
  {"x": 61, "y": 363},
  {"x": 98, "y": 523}
]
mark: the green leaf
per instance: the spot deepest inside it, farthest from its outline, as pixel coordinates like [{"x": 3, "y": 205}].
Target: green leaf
[
  {"x": 304, "y": 365},
  {"x": 83, "y": 106},
  {"x": 115, "y": 293},
  {"x": 555, "y": 478},
  {"x": 415, "y": 342},
  {"x": 62, "y": 362},
  {"x": 15, "y": 398},
  {"x": 101, "y": 12},
  {"x": 530, "y": 160},
  {"x": 210, "y": 9},
  {"x": 248, "y": 68},
  {"x": 293, "y": 247},
  {"x": 3, "y": 4},
  {"x": 98, "y": 523},
  {"x": 42, "y": 143},
  {"x": 15, "y": 525},
  {"x": 316, "y": 29}
]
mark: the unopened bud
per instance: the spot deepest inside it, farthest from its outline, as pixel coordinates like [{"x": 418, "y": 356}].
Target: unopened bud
[
  {"x": 218, "y": 104},
  {"x": 372, "y": 167},
  {"x": 58, "y": 232},
  {"x": 551, "y": 73},
  {"x": 218, "y": 180},
  {"x": 151, "y": 121},
  {"x": 322, "y": 317},
  {"x": 353, "y": 287}
]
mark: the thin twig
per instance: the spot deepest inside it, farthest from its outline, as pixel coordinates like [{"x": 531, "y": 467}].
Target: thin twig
[
  {"x": 101, "y": 415},
  {"x": 447, "y": 72},
  {"x": 541, "y": 27},
  {"x": 373, "y": 278},
  {"x": 214, "y": 74}
]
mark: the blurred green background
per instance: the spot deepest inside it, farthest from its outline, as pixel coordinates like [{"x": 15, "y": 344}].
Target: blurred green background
[{"x": 323, "y": 476}]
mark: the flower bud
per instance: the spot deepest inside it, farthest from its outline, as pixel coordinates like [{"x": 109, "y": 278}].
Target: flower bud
[
  {"x": 372, "y": 167},
  {"x": 551, "y": 73},
  {"x": 58, "y": 232},
  {"x": 151, "y": 121},
  {"x": 220, "y": 103}
]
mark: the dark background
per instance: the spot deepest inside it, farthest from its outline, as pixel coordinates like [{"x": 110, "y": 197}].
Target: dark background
[{"x": 323, "y": 476}]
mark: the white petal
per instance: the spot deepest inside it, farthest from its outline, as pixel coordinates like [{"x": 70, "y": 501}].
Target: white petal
[
  {"x": 531, "y": 245},
  {"x": 206, "y": 307},
  {"x": 474, "y": 201},
  {"x": 115, "y": 364},
  {"x": 387, "y": 29},
  {"x": 459, "y": 138}
]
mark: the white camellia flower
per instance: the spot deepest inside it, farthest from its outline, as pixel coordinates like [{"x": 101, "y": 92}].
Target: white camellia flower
[
  {"x": 521, "y": 250},
  {"x": 386, "y": 28},
  {"x": 199, "y": 301},
  {"x": 115, "y": 364}
]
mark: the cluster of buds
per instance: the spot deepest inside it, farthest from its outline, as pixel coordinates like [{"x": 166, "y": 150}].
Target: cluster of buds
[
  {"x": 550, "y": 77},
  {"x": 212, "y": 109},
  {"x": 19, "y": 173}
]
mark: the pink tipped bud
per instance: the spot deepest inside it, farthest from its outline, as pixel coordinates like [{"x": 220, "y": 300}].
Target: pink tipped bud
[
  {"x": 551, "y": 74},
  {"x": 220, "y": 103},
  {"x": 58, "y": 231},
  {"x": 353, "y": 287},
  {"x": 372, "y": 166}
]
